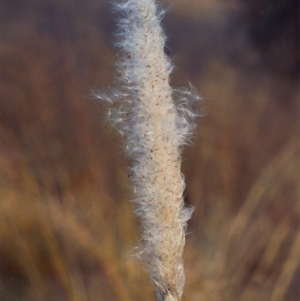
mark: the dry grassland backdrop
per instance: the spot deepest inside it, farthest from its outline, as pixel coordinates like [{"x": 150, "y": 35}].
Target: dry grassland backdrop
[{"x": 67, "y": 228}]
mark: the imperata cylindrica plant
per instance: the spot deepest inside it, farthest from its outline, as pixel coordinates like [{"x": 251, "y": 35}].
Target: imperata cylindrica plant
[{"x": 156, "y": 121}]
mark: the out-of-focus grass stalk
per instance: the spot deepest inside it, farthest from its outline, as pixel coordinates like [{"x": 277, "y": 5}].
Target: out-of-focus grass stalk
[{"x": 156, "y": 121}]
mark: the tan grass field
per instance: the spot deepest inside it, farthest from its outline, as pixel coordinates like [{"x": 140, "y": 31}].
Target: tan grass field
[{"x": 67, "y": 227}]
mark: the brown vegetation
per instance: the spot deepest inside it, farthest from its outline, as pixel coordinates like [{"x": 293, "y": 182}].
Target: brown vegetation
[{"x": 67, "y": 228}]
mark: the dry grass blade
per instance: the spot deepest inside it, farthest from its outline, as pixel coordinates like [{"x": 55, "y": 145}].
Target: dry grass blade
[
  {"x": 289, "y": 269},
  {"x": 67, "y": 223},
  {"x": 267, "y": 259},
  {"x": 267, "y": 178}
]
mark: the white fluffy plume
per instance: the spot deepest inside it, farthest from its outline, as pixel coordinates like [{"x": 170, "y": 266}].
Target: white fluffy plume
[{"x": 156, "y": 121}]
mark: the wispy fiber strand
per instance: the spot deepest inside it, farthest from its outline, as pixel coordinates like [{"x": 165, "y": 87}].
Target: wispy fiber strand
[{"x": 156, "y": 122}]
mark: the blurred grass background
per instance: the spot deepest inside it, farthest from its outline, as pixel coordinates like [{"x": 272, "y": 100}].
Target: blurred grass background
[{"x": 67, "y": 228}]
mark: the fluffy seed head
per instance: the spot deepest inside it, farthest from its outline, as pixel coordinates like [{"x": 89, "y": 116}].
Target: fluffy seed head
[{"x": 156, "y": 121}]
